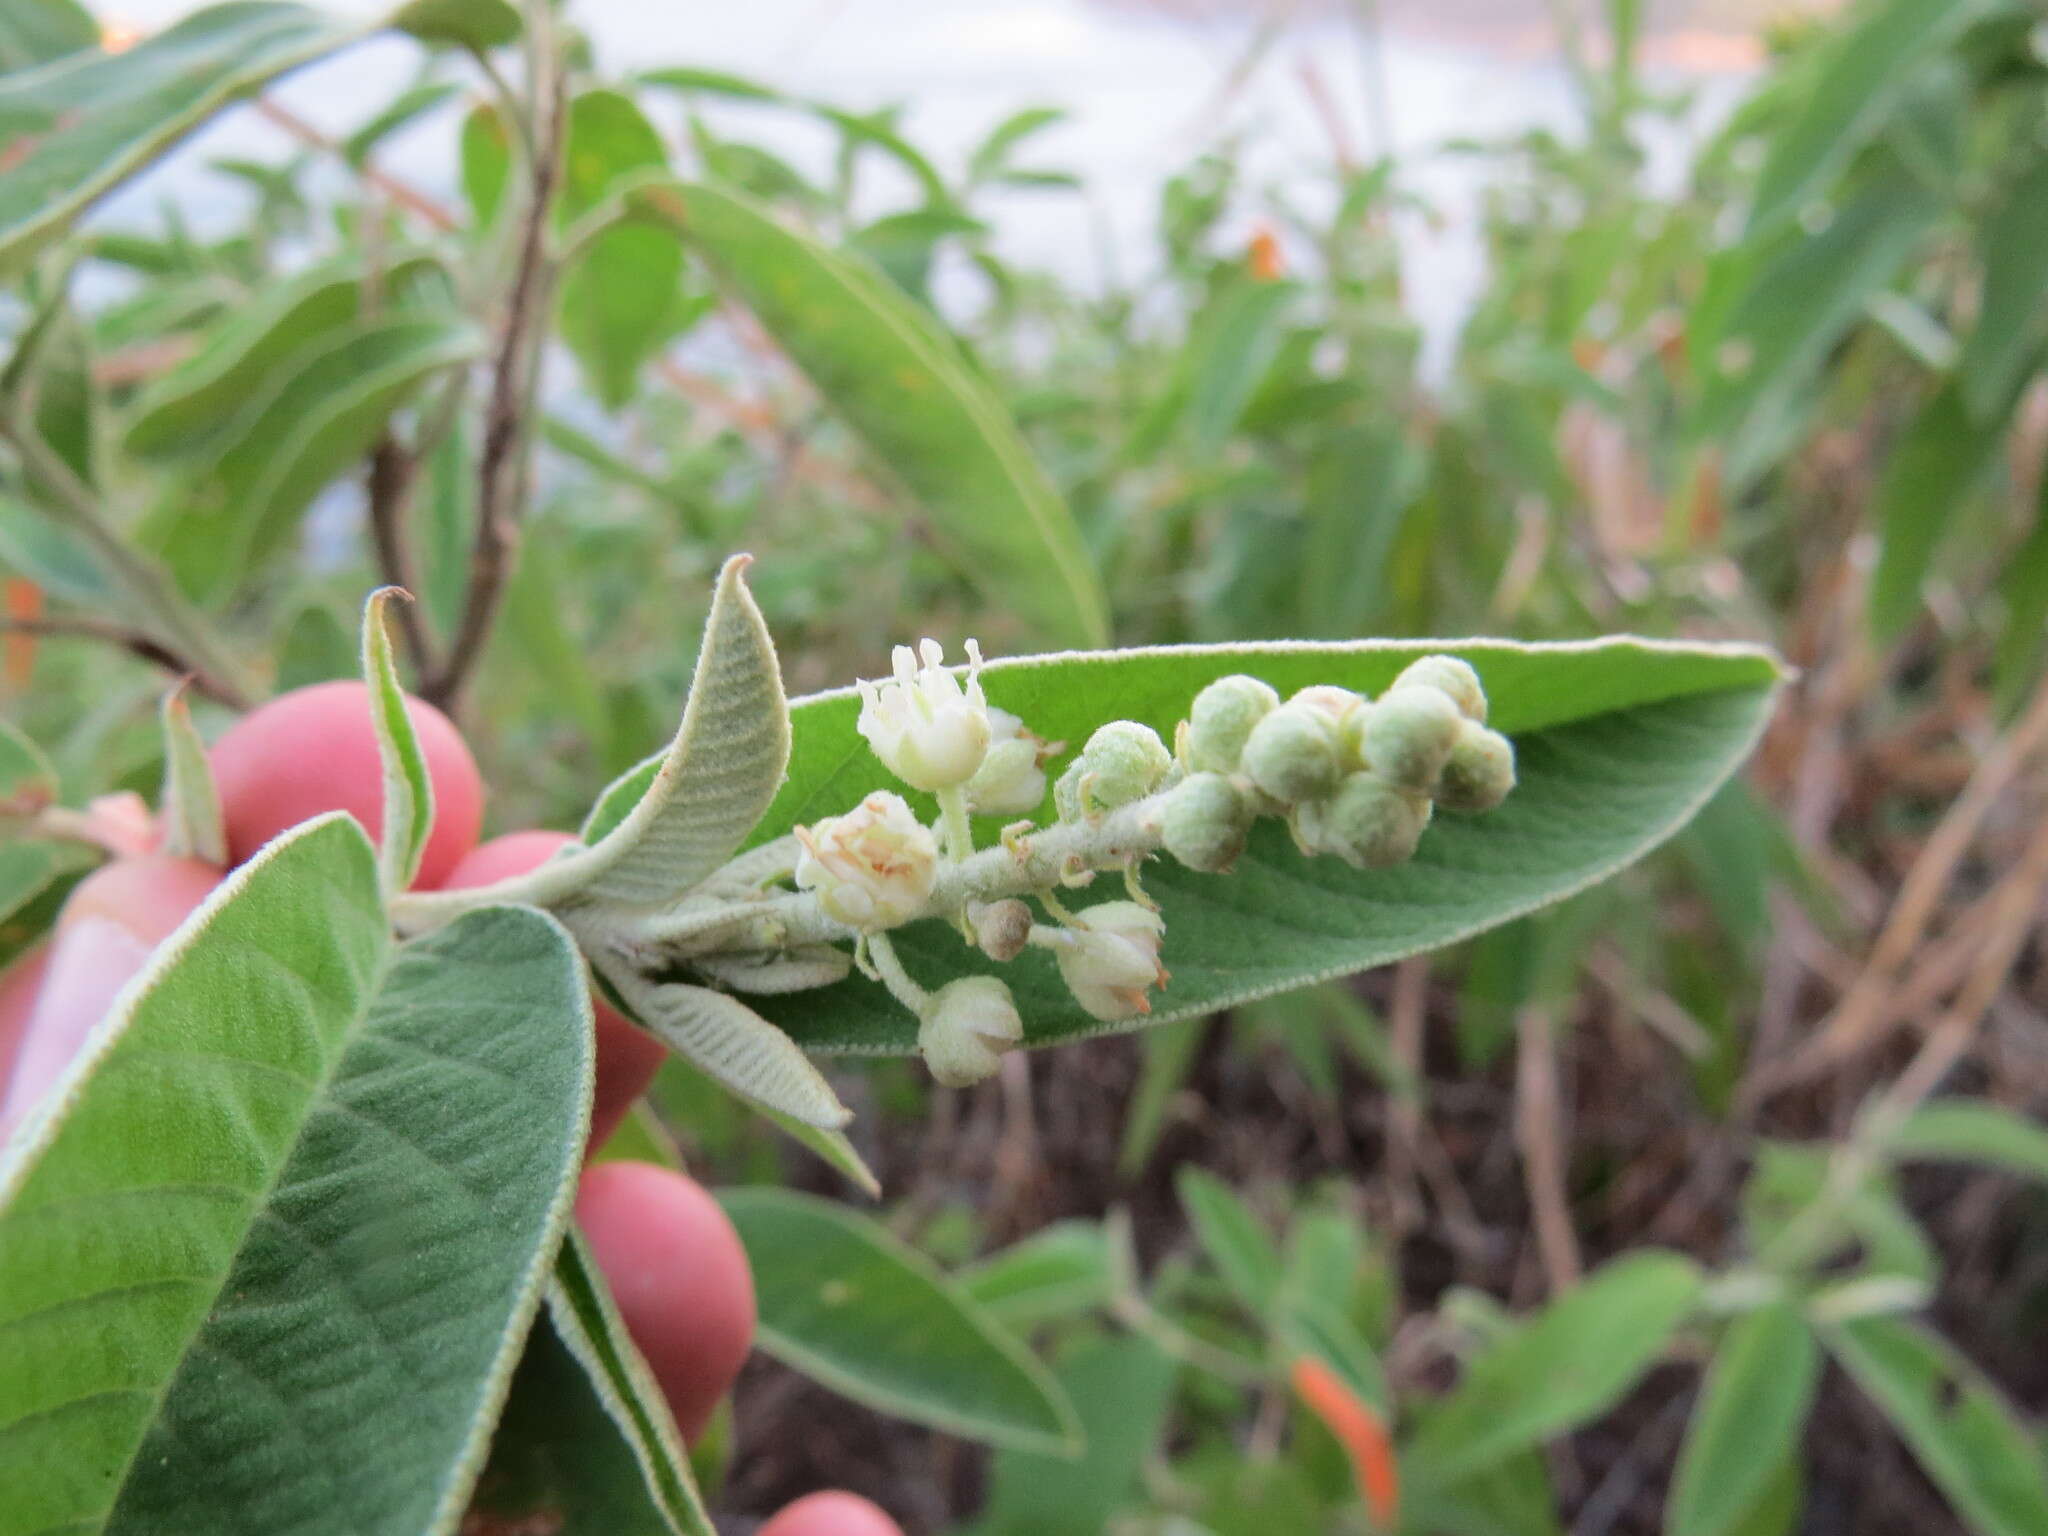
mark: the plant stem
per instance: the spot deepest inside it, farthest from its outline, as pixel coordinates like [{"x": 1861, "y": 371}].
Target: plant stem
[{"x": 900, "y": 983}]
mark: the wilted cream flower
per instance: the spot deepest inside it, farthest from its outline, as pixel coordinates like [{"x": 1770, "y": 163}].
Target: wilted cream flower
[
  {"x": 872, "y": 868},
  {"x": 1011, "y": 778},
  {"x": 1110, "y": 957},
  {"x": 928, "y": 730},
  {"x": 965, "y": 1029}
]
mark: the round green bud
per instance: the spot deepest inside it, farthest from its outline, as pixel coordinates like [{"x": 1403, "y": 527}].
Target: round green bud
[
  {"x": 1204, "y": 823},
  {"x": 1448, "y": 675},
  {"x": 1292, "y": 753},
  {"x": 1479, "y": 772},
  {"x": 1123, "y": 761},
  {"x": 1221, "y": 719},
  {"x": 1333, "y": 701},
  {"x": 1369, "y": 823},
  {"x": 1407, "y": 735}
]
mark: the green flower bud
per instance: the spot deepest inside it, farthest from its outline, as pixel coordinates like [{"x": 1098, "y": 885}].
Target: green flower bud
[
  {"x": 1333, "y": 701},
  {"x": 1368, "y": 823},
  {"x": 1406, "y": 737},
  {"x": 1221, "y": 720},
  {"x": 1123, "y": 761},
  {"x": 1204, "y": 823},
  {"x": 1066, "y": 793},
  {"x": 966, "y": 1027},
  {"x": 1479, "y": 772},
  {"x": 1292, "y": 753},
  {"x": 1448, "y": 675}
]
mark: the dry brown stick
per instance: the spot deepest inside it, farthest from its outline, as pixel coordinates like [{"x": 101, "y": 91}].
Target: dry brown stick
[
  {"x": 501, "y": 460},
  {"x": 389, "y": 483},
  {"x": 138, "y": 643},
  {"x": 1861, "y": 1012},
  {"x": 1540, "y": 1135}
]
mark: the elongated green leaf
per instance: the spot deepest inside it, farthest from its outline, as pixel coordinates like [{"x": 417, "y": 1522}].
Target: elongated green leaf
[
  {"x": 61, "y": 157},
  {"x": 1562, "y": 1368},
  {"x": 2023, "y": 586},
  {"x": 1618, "y": 743},
  {"x": 586, "y": 1445},
  {"x": 849, "y": 1305},
  {"x": 1748, "y": 1421},
  {"x": 288, "y": 1147},
  {"x": 1059, "y": 1272},
  {"x": 51, "y": 556},
  {"x": 620, "y": 294},
  {"x": 408, "y": 788},
  {"x": 477, "y": 24},
  {"x": 1958, "y": 1424},
  {"x": 1943, "y": 457},
  {"x": 318, "y": 425},
  {"x": 717, "y": 777},
  {"x": 1122, "y": 1389},
  {"x": 1233, "y": 345},
  {"x": 901, "y": 385},
  {"x": 28, "y": 782},
  {"x": 1237, "y": 1243},
  {"x": 28, "y": 868},
  {"x": 401, "y": 113},
  {"x": 34, "y": 32},
  {"x": 2014, "y": 252},
  {"x": 193, "y": 826},
  {"x": 1968, "y": 1131},
  {"x": 725, "y": 1039},
  {"x": 1869, "y": 72}
]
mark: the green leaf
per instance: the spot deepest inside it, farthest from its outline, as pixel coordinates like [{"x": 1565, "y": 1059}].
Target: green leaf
[
  {"x": 586, "y": 1443},
  {"x": 2024, "y": 587},
  {"x": 1169, "y": 1055},
  {"x": 28, "y": 781},
  {"x": 1943, "y": 458},
  {"x": 473, "y": 24},
  {"x": 318, "y": 425},
  {"x": 707, "y": 792},
  {"x": 1746, "y": 1427},
  {"x": 28, "y": 868},
  {"x": 1058, "y": 1272},
  {"x": 193, "y": 827},
  {"x": 143, "y": 101},
  {"x": 1967, "y": 1131},
  {"x": 486, "y": 155},
  {"x": 408, "y": 788},
  {"x": 51, "y": 556},
  {"x": 619, "y": 293},
  {"x": 1619, "y": 742},
  {"x": 34, "y": 32},
  {"x": 402, "y": 112},
  {"x": 1561, "y": 1369},
  {"x": 1236, "y": 1241},
  {"x": 1960, "y": 1427},
  {"x": 289, "y": 1146},
  {"x": 2013, "y": 247},
  {"x": 1122, "y": 1389},
  {"x": 1233, "y": 345},
  {"x": 900, "y": 383},
  {"x": 710, "y": 82},
  {"x": 847, "y": 1304},
  {"x": 1868, "y": 73}
]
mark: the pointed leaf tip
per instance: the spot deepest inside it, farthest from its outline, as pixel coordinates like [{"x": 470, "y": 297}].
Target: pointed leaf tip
[{"x": 408, "y": 790}]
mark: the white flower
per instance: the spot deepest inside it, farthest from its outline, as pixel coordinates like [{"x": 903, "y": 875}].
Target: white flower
[
  {"x": 930, "y": 732},
  {"x": 1011, "y": 778},
  {"x": 1110, "y": 956},
  {"x": 872, "y": 868},
  {"x": 966, "y": 1027}
]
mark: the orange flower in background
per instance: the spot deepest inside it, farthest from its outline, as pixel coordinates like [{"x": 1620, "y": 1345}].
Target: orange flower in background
[
  {"x": 1359, "y": 1430},
  {"x": 117, "y": 36},
  {"x": 24, "y": 602},
  {"x": 1262, "y": 256}
]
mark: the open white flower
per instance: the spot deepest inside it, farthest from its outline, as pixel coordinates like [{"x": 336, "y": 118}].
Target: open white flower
[
  {"x": 928, "y": 730},
  {"x": 1110, "y": 957},
  {"x": 872, "y": 868},
  {"x": 965, "y": 1029}
]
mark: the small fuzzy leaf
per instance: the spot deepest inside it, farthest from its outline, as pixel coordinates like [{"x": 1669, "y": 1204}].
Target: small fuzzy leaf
[
  {"x": 849, "y": 1305},
  {"x": 193, "y": 827},
  {"x": 408, "y": 788},
  {"x": 726, "y": 1039}
]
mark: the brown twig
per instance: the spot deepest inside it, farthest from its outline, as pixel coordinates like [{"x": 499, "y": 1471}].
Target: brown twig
[
  {"x": 389, "y": 483},
  {"x": 1540, "y": 1135},
  {"x": 501, "y": 463},
  {"x": 136, "y": 642},
  {"x": 1863, "y": 1011}
]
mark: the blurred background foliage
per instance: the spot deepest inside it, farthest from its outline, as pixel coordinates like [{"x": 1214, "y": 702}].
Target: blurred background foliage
[{"x": 1796, "y": 398}]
